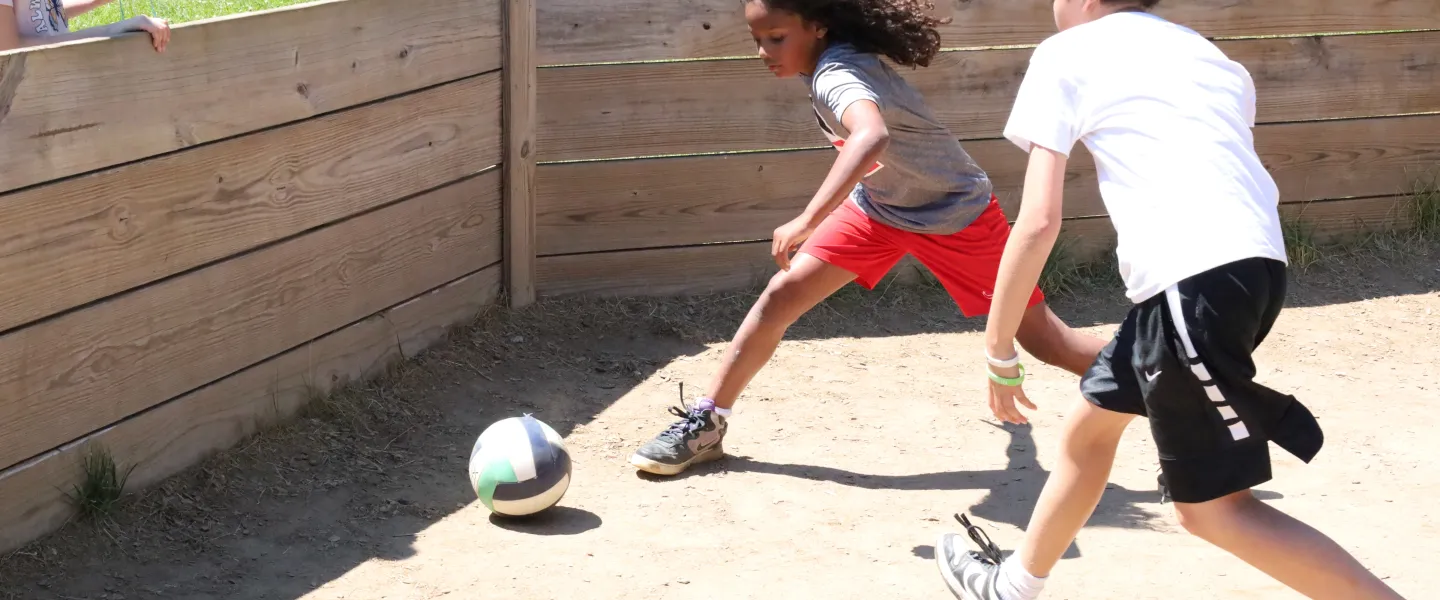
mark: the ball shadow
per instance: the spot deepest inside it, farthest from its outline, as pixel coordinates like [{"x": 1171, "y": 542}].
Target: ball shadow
[{"x": 558, "y": 520}]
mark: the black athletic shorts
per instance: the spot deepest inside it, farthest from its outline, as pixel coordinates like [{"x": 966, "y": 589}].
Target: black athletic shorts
[{"x": 1193, "y": 378}]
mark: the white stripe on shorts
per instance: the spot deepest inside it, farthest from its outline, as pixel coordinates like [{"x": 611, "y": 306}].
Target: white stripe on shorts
[{"x": 1212, "y": 391}]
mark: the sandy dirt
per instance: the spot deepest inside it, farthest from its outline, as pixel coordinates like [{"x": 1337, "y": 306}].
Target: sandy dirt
[{"x": 848, "y": 455}]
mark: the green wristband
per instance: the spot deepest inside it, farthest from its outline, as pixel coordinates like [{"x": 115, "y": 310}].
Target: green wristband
[{"x": 1008, "y": 381}]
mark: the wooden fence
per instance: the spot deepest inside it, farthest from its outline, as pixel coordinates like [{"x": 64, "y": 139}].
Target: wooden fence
[
  {"x": 632, "y": 197},
  {"x": 196, "y": 243}
]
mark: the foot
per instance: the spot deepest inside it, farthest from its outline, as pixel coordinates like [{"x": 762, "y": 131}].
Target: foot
[
  {"x": 970, "y": 575},
  {"x": 694, "y": 439}
]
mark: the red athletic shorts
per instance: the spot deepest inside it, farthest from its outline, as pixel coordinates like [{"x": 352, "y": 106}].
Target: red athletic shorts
[{"x": 965, "y": 262}]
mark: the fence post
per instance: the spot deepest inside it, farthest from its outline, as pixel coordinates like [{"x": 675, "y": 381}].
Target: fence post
[{"x": 519, "y": 159}]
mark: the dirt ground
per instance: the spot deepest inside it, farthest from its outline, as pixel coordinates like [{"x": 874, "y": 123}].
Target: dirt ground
[{"x": 848, "y": 455}]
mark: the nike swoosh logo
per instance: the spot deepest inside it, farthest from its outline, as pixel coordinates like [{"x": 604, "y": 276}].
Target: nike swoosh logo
[
  {"x": 970, "y": 583},
  {"x": 1152, "y": 376},
  {"x": 704, "y": 447}
]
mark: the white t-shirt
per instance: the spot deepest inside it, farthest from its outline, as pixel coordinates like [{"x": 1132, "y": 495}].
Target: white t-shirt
[
  {"x": 38, "y": 18},
  {"x": 1168, "y": 118}
]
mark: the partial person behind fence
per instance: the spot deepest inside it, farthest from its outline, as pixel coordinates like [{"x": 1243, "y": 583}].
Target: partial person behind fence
[{"x": 39, "y": 22}]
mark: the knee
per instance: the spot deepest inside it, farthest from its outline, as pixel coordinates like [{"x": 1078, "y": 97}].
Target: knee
[
  {"x": 781, "y": 304},
  {"x": 1211, "y": 520}
]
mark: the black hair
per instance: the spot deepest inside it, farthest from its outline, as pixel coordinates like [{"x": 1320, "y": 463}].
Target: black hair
[{"x": 902, "y": 30}]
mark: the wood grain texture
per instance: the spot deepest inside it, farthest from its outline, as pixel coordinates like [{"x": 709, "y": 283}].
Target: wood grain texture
[
  {"x": 616, "y": 111},
  {"x": 721, "y": 267},
  {"x": 614, "y": 205},
  {"x": 581, "y": 31},
  {"x": 520, "y": 138},
  {"x": 1340, "y": 219},
  {"x": 1326, "y": 160},
  {"x": 630, "y": 204},
  {"x": 78, "y": 107},
  {"x": 715, "y": 267},
  {"x": 71, "y": 375},
  {"x": 88, "y": 237},
  {"x": 177, "y": 434}
]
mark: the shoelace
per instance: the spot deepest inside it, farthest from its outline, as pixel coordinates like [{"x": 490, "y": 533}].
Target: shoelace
[
  {"x": 987, "y": 547},
  {"x": 691, "y": 419}
]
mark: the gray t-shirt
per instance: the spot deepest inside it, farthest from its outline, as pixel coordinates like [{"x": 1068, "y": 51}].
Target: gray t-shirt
[
  {"x": 925, "y": 182},
  {"x": 38, "y": 18}
]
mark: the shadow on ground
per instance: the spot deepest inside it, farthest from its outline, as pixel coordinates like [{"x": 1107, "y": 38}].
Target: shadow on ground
[{"x": 365, "y": 473}]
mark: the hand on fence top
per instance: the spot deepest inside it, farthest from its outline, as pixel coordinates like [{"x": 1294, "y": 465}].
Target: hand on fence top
[{"x": 159, "y": 29}]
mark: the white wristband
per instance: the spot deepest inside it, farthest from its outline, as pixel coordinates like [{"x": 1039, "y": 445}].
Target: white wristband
[{"x": 1004, "y": 364}]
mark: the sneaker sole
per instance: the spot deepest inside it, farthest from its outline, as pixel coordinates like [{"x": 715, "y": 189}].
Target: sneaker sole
[
  {"x": 947, "y": 574},
  {"x": 659, "y": 468}
]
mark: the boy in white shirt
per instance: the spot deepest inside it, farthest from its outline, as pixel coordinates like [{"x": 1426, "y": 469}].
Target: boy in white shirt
[{"x": 1168, "y": 118}]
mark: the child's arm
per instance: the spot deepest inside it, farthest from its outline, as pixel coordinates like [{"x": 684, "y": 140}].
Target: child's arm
[
  {"x": 1034, "y": 234},
  {"x": 867, "y": 141},
  {"x": 10, "y": 38}
]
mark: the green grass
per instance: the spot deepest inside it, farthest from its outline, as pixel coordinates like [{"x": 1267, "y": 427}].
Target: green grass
[
  {"x": 177, "y": 11},
  {"x": 102, "y": 486}
]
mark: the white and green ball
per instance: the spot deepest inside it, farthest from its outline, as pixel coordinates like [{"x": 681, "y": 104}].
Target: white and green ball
[{"x": 519, "y": 467}]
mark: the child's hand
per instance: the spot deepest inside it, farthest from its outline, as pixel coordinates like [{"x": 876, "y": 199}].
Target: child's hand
[
  {"x": 159, "y": 29},
  {"x": 788, "y": 238},
  {"x": 1003, "y": 398}
]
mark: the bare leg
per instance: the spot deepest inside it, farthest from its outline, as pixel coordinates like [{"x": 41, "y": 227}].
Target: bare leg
[
  {"x": 1051, "y": 341},
  {"x": 1087, "y": 451},
  {"x": 790, "y": 294},
  {"x": 1292, "y": 552}
]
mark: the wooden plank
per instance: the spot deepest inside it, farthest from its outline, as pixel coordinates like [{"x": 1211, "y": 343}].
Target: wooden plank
[
  {"x": 71, "y": 375},
  {"x": 177, "y": 434},
  {"x": 715, "y": 267},
  {"x": 617, "y": 111},
  {"x": 629, "y": 204},
  {"x": 84, "y": 106},
  {"x": 615, "y": 205},
  {"x": 1338, "y": 159},
  {"x": 85, "y": 238},
  {"x": 520, "y": 152},
  {"x": 722, "y": 267},
  {"x": 585, "y": 31},
  {"x": 1340, "y": 219}
]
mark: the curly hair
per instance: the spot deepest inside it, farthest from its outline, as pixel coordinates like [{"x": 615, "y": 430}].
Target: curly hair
[{"x": 903, "y": 30}]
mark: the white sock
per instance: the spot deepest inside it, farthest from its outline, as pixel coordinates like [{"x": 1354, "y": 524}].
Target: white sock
[
  {"x": 709, "y": 404},
  {"x": 1015, "y": 583}
]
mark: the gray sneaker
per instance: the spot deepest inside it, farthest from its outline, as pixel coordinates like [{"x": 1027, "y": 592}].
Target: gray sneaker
[
  {"x": 694, "y": 439},
  {"x": 970, "y": 575}
]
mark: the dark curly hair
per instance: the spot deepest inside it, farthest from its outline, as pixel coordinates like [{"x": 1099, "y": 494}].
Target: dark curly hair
[{"x": 903, "y": 30}]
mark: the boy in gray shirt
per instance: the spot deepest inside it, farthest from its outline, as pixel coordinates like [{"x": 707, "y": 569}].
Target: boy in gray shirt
[{"x": 901, "y": 184}]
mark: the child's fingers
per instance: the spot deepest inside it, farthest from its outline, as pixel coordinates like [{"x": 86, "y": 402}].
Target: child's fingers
[{"x": 1024, "y": 400}]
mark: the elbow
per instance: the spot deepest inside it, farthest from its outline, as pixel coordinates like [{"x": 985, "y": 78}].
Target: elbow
[
  {"x": 873, "y": 141},
  {"x": 1040, "y": 228}
]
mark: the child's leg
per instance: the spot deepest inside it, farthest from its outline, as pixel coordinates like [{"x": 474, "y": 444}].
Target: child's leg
[
  {"x": 847, "y": 247},
  {"x": 1052, "y": 342},
  {"x": 1071, "y": 493},
  {"x": 966, "y": 263},
  {"x": 1092, "y": 432},
  {"x": 790, "y": 294},
  {"x": 1292, "y": 552}
]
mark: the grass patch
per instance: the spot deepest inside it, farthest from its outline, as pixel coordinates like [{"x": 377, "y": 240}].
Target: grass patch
[
  {"x": 1427, "y": 206},
  {"x": 99, "y": 492},
  {"x": 177, "y": 11},
  {"x": 1067, "y": 274},
  {"x": 1301, "y": 246}
]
